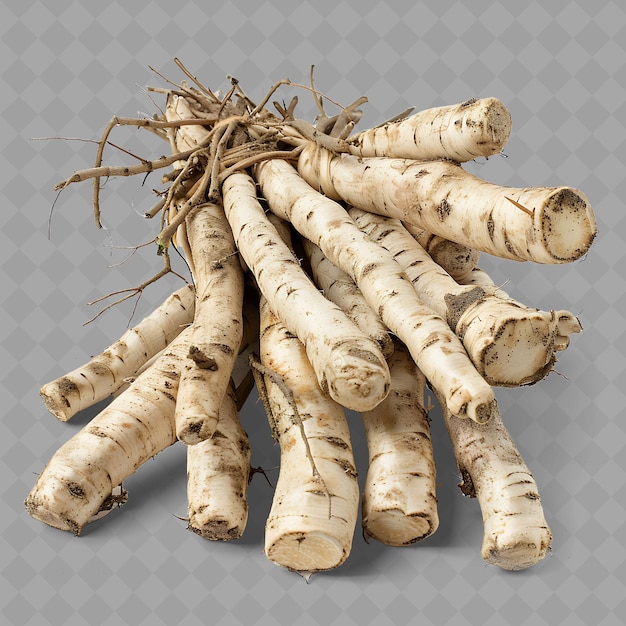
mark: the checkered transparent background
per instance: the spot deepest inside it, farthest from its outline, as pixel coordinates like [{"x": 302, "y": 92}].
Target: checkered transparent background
[{"x": 67, "y": 67}]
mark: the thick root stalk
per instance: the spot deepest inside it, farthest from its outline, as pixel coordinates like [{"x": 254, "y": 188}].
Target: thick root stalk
[
  {"x": 106, "y": 373},
  {"x": 217, "y": 328},
  {"x": 516, "y": 534},
  {"x": 313, "y": 516},
  {"x": 399, "y": 503},
  {"x": 437, "y": 351},
  {"x": 509, "y": 343},
  {"x": 460, "y": 132},
  {"x": 348, "y": 364},
  {"x": 218, "y": 471},
  {"x": 137, "y": 425},
  {"x": 545, "y": 225}
]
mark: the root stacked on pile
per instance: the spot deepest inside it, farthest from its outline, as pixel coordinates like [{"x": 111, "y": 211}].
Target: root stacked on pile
[{"x": 357, "y": 255}]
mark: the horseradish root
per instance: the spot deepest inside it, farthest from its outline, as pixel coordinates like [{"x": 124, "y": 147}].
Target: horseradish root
[
  {"x": 435, "y": 348},
  {"x": 218, "y": 472},
  {"x": 105, "y": 373},
  {"x": 399, "y": 504},
  {"x": 509, "y": 343},
  {"x": 315, "y": 506},
  {"x": 333, "y": 270},
  {"x": 544, "y": 225},
  {"x": 136, "y": 426},
  {"x": 217, "y": 328},
  {"x": 348, "y": 364},
  {"x": 461, "y": 132},
  {"x": 516, "y": 534}
]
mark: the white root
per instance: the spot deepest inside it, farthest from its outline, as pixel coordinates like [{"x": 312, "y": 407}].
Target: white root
[
  {"x": 456, "y": 259},
  {"x": 509, "y": 343},
  {"x": 516, "y": 534},
  {"x": 217, "y": 328},
  {"x": 437, "y": 351},
  {"x": 81, "y": 476},
  {"x": 314, "y": 510},
  {"x": 348, "y": 364},
  {"x": 399, "y": 503},
  {"x": 105, "y": 373},
  {"x": 545, "y": 225},
  {"x": 460, "y": 132},
  {"x": 339, "y": 288},
  {"x": 218, "y": 472}
]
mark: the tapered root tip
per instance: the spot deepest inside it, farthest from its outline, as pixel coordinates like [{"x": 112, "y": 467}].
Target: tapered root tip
[{"x": 310, "y": 552}]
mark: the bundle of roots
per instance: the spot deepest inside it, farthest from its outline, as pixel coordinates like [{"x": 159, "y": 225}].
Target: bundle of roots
[{"x": 333, "y": 270}]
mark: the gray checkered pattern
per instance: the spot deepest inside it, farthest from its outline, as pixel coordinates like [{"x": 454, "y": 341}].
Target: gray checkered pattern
[{"x": 67, "y": 67}]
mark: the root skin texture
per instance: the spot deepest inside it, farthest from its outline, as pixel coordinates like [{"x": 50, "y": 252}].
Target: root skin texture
[
  {"x": 509, "y": 343},
  {"x": 454, "y": 258},
  {"x": 348, "y": 364},
  {"x": 399, "y": 503},
  {"x": 339, "y": 288},
  {"x": 311, "y": 524},
  {"x": 335, "y": 270},
  {"x": 217, "y": 328},
  {"x": 104, "y": 374},
  {"x": 516, "y": 534},
  {"x": 460, "y": 132},
  {"x": 218, "y": 471},
  {"x": 566, "y": 323},
  {"x": 135, "y": 427},
  {"x": 557, "y": 225},
  {"x": 437, "y": 351}
]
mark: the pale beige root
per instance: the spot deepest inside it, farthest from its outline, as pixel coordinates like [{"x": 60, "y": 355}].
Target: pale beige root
[
  {"x": 311, "y": 524},
  {"x": 545, "y": 225},
  {"x": 339, "y": 288},
  {"x": 516, "y": 534},
  {"x": 566, "y": 322},
  {"x": 399, "y": 503},
  {"x": 217, "y": 328},
  {"x": 456, "y": 259},
  {"x": 435, "y": 348},
  {"x": 78, "y": 480},
  {"x": 189, "y": 136},
  {"x": 461, "y": 132},
  {"x": 105, "y": 373},
  {"x": 509, "y": 343},
  {"x": 348, "y": 364},
  {"x": 218, "y": 470}
]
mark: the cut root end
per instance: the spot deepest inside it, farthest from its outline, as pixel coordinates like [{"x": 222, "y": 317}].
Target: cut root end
[{"x": 311, "y": 552}]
